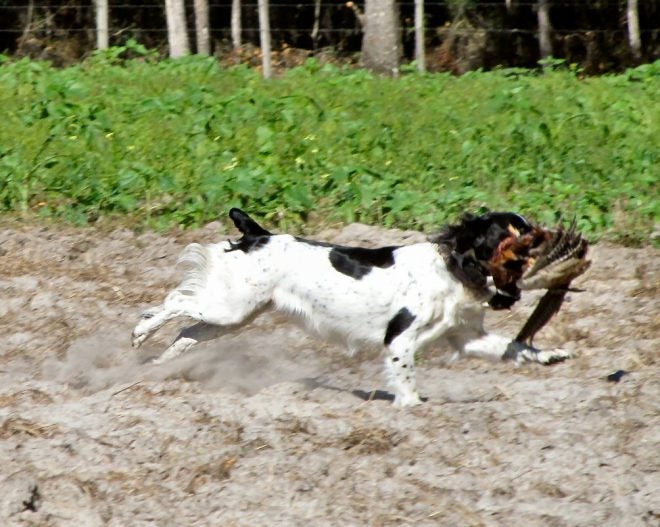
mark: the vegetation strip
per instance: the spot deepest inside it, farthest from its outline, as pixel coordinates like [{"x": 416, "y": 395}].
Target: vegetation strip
[{"x": 180, "y": 142}]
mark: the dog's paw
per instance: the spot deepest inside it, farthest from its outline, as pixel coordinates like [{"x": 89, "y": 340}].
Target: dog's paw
[
  {"x": 138, "y": 337},
  {"x": 552, "y": 356},
  {"x": 401, "y": 401},
  {"x": 520, "y": 352},
  {"x": 140, "y": 334},
  {"x": 144, "y": 328}
]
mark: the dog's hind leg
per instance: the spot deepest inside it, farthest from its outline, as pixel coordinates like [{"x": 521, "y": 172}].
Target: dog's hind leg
[
  {"x": 204, "y": 332},
  {"x": 188, "y": 337}
]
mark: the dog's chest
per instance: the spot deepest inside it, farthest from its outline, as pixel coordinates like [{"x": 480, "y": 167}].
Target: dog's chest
[{"x": 468, "y": 310}]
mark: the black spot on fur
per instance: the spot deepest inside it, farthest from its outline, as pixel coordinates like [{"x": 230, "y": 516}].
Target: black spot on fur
[
  {"x": 254, "y": 235},
  {"x": 399, "y": 323},
  {"x": 357, "y": 262}
]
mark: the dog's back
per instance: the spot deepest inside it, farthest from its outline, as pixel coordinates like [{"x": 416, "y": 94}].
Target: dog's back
[{"x": 343, "y": 293}]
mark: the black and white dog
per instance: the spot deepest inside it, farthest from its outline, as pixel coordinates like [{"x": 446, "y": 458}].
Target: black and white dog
[{"x": 401, "y": 298}]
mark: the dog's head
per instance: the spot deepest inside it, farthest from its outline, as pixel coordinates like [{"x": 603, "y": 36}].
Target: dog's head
[
  {"x": 468, "y": 246},
  {"x": 480, "y": 234}
]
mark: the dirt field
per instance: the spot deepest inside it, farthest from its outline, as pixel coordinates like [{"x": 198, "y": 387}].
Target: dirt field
[{"x": 267, "y": 427}]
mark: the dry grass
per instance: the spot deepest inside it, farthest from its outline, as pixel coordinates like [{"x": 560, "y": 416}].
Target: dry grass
[
  {"x": 17, "y": 425},
  {"x": 370, "y": 441},
  {"x": 29, "y": 395},
  {"x": 215, "y": 471}
]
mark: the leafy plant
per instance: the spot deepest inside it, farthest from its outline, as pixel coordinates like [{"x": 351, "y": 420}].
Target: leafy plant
[{"x": 179, "y": 142}]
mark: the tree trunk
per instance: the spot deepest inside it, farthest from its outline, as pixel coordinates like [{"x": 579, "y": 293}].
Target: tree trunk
[
  {"x": 264, "y": 38},
  {"x": 28, "y": 20},
  {"x": 545, "y": 40},
  {"x": 317, "y": 22},
  {"x": 632, "y": 14},
  {"x": 202, "y": 31},
  {"x": 381, "y": 44},
  {"x": 102, "y": 38},
  {"x": 420, "y": 50},
  {"x": 236, "y": 23},
  {"x": 177, "y": 34}
]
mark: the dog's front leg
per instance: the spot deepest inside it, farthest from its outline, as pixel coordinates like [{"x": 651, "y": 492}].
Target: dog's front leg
[
  {"x": 485, "y": 346},
  {"x": 521, "y": 352},
  {"x": 400, "y": 364},
  {"x": 497, "y": 347}
]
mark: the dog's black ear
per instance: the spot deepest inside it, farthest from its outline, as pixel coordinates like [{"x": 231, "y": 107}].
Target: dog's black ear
[{"x": 247, "y": 225}]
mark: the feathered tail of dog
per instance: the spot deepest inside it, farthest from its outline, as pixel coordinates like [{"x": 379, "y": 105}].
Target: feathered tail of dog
[{"x": 196, "y": 261}]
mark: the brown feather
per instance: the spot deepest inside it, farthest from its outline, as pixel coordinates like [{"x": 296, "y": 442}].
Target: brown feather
[{"x": 549, "y": 304}]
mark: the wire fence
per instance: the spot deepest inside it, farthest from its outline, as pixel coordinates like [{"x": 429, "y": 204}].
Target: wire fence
[
  {"x": 595, "y": 6},
  {"x": 455, "y": 31},
  {"x": 310, "y": 24}
]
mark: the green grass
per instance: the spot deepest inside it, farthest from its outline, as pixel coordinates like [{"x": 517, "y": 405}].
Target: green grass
[{"x": 180, "y": 142}]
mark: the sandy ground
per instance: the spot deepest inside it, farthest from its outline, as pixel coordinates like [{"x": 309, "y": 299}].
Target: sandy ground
[{"x": 266, "y": 427}]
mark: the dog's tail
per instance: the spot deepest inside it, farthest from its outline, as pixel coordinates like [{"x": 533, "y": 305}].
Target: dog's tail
[
  {"x": 245, "y": 224},
  {"x": 197, "y": 261}
]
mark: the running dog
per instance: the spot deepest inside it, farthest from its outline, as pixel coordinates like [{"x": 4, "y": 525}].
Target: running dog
[{"x": 400, "y": 298}]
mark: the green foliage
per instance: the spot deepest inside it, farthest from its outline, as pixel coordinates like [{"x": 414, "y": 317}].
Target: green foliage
[{"x": 179, "y": 142}]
